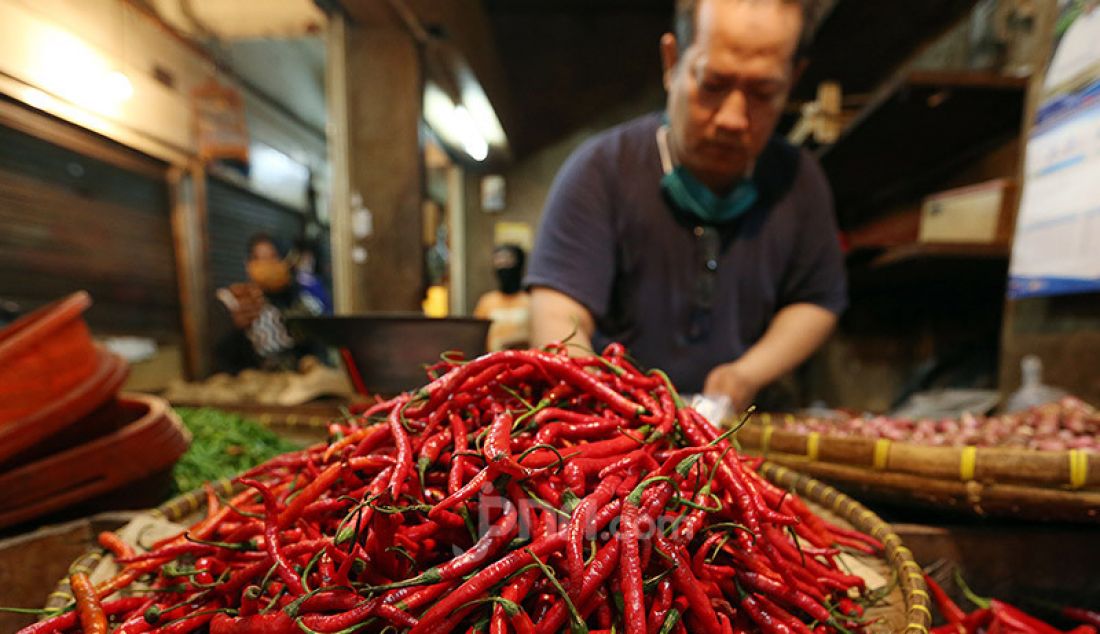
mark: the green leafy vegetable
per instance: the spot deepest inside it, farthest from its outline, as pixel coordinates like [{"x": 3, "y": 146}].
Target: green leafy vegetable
[{"x": 224, "y": 445}]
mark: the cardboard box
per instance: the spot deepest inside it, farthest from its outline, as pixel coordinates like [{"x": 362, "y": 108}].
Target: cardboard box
[{"x": 980, "y": 213}]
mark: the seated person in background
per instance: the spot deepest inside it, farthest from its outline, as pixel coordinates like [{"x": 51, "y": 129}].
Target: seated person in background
[
  {"x": 510, "y": 307},
  {"x": 251, "y": 332},
  {"x": 306, "y": 275}
]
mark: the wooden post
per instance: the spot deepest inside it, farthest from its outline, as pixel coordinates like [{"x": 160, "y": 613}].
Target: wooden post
[{"x": 187, "y": 188}]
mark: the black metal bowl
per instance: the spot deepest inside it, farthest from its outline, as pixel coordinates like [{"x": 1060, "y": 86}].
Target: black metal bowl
[{"x": 391, "y": 350}]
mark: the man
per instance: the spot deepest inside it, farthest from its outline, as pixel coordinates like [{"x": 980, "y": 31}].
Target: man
[{"x": 697, "y": 239}]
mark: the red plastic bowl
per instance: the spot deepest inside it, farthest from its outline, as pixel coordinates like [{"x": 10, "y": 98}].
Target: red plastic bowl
[
  {"x": 44, "y": 356},
  {"x": 66, "y": 410},
  {"x": 122, "y": 443}
]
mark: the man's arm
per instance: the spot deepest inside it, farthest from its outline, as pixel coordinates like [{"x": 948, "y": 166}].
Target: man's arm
[
  {"x": 794, "y": 334},
  {"x": 555, "y": 316}
]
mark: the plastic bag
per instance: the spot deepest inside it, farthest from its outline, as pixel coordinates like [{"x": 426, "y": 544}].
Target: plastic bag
[
  {"x": 715, "y": 408},
  {"x": 1032, "y": 392}
]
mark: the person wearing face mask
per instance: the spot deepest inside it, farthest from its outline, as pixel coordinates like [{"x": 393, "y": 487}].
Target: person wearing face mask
[
  {"x": 509, "y": 308},
  {"x": 255, "y": 333},
  {"x": 696, "y": 237}
]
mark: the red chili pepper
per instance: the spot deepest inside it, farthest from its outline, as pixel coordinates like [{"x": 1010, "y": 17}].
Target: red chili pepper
[
  {"x": 191, "y": 622},
  {"x": 773, "y": 610},
  {"x": 601, "y": 569},
  {"x": 271, "y": 623},
  {"x": 1081, "y": 615},
  {"x": 112, "y": 542},
  {"x": 574, "y": 478},
  {"x": 490, "y": 543},
  {"x": 515, "y": 591},
  {"x": 789, "y": 551},
  {"x": 770, "y": 624},
  {"x": 784, "y": 593},
  {"x": 790, "y": 567},
  {"x": 662, "y": 603},
  {"x": 950, "y": 610},
  {"x": 1015, "y": 618},
  {"x": 731, "y": 473},
  {"x": 92, "y": 618},
  {"x": 848, "y": 607},
  {"x": 397, "y": 616},
  {"x": 686, "y": 583},
  {"x": 498, "y": 448},
  {"x": 468, "y": 490},
  {"x": 271, "y": 512},
  {"x": 309, "y": 494},
  {"x": 69, "y": 620},
  {"x": 486, "y": 578},
  {"x": 874, "y": 544},
  {"x": 431, "y": 449},
  {"x": 630, "y": 564},
  {"x": 404, "y": 464},
  {"x": 581, "y": 379},
  {"x": 580, "y": 525}
]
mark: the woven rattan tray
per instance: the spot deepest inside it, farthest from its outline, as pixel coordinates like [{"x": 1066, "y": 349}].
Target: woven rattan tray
[
  {"x": 1019, "y": 483},
  {"x": 905, "y": 608}
]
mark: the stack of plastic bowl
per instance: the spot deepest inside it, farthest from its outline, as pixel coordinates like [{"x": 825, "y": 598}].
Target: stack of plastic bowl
[{"x": 66, "y": 434}]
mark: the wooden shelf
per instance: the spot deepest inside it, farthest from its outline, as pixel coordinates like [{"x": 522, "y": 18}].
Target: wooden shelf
[
  {"x": 860, "y": 43},
  {"x": 943, "y": 267},
  {"x": 939, "y": 251},
  {"x": 914, "y": 132}
]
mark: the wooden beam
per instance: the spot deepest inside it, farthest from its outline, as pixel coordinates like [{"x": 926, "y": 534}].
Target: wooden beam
[{"x": 79, "y": 140}]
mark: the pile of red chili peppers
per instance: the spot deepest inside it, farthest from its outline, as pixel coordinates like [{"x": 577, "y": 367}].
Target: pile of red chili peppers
[
  {"x": 994, "y": 616},
  {"x": 522, "y": 491}
]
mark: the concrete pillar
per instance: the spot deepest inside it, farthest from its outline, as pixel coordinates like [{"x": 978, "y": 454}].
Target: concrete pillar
[
  {"x": 336, "y": 99},
  {"x": 384, "y": 270}
]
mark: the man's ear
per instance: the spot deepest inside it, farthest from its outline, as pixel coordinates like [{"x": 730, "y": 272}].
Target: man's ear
[{"x": 670, "y": 54}]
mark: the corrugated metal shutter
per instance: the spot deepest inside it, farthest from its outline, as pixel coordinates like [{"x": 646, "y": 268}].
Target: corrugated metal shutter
[
  {"x": 70, "y": 222},
  {"x": 234, "y": 214}
]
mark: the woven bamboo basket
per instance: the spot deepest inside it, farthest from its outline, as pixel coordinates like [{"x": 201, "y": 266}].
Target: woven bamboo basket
[
  {"x": 906, "y": 608},
  {"x": 983, "y": 481}
]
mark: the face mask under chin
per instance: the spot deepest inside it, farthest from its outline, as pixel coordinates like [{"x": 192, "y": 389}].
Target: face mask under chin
[
  {"x": 690, "y": 195},
  {"x": 687, "y": 193}
]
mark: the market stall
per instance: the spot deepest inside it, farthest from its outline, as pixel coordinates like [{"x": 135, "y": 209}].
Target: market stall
[{"x": 503, "y": 316}]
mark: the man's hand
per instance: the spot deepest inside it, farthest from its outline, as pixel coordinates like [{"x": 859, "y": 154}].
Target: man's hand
[
  {"x": 730, "y": 379},
  {"x": 249, "y": 300},
  {"x": 555, "y": 316},
  {"x": 795, "y": 332}
]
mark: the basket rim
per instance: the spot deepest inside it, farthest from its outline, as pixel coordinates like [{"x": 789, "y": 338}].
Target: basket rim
[{"x": 900, "y": 559}]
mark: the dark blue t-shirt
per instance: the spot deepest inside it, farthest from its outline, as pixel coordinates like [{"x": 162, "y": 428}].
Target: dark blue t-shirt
[{"x": 609, "y": 239}]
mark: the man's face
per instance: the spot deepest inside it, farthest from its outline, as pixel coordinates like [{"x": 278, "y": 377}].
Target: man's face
[
  {"x": 264, "y": 251},
  {"x": 727, "y": 90},
  {"x": 266, "y": 269}
]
